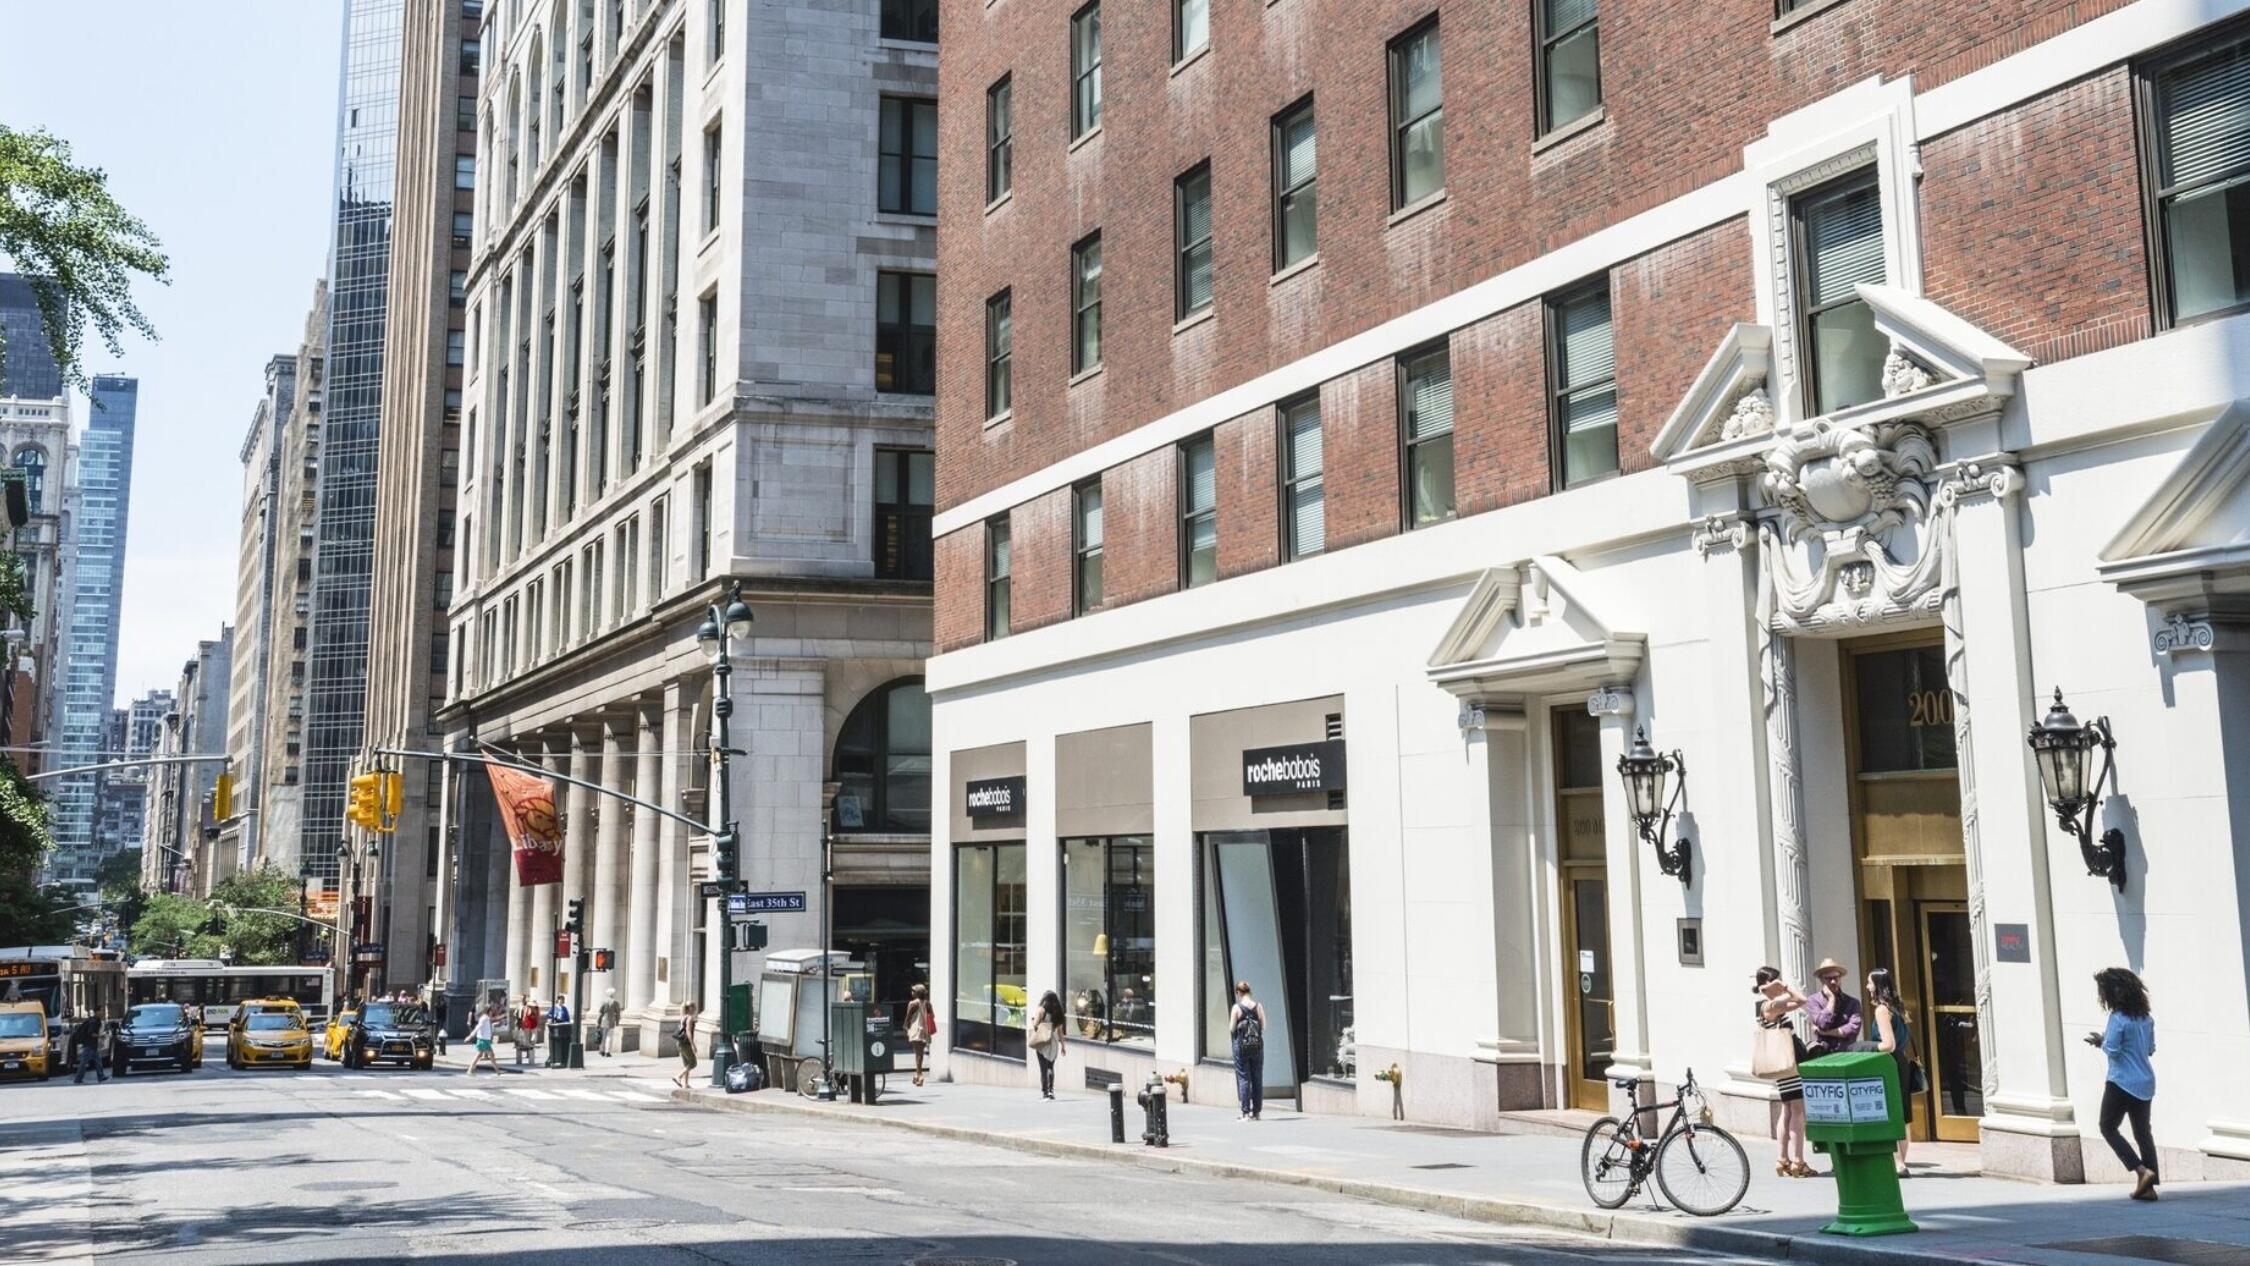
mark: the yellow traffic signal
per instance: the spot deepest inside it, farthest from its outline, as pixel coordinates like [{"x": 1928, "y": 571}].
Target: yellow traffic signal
[
  {"x": 394, "y": 798},
  {"x": 364, "y": 808},
  {"x": 222, "y": 798}
]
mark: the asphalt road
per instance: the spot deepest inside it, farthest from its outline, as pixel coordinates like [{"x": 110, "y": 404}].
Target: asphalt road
[{"x": 223, "y": 1168}]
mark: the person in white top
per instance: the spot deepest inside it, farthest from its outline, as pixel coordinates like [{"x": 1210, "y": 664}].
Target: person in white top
[{"x": 482, "y": 1036}]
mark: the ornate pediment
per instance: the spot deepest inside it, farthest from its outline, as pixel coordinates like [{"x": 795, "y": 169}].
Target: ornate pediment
[
  {"x": 2189, "y": 542},
  {"x": 1728, "y": 403},
  {"x": 1534, "y": 628}
]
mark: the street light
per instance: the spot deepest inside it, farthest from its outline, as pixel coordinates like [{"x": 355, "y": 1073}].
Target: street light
[
  {"x": 1645, "y": 772},
  {"x": 721, "y": 629},
  {"x": 2064, "y": 751}
]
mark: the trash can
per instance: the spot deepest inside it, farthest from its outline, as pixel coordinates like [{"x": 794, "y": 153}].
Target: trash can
[
  {"x": 1855, "y": 1113},
  {"x": 865, "y": 1048}
]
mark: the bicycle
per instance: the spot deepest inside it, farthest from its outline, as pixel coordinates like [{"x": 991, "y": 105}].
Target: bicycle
[{"x": 1700, "y": 1168}]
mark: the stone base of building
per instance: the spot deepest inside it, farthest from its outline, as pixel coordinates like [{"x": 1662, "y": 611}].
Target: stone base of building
[{"x": 2041, "y": 1149}]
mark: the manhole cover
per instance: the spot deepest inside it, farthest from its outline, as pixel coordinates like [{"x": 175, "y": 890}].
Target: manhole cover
[{"x": 344, "y": 1186}]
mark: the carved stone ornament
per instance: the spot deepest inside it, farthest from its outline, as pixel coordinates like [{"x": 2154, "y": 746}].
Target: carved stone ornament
[
  {"x": 1610, "y": 701},
  {"x": 1845, "y": 495},
  {"x": 1752, "y": 415},
  {"x": 1717, "y": 531},
  {"x": 1901, "y": 373},
  {"x": 2183, "y": 634}
]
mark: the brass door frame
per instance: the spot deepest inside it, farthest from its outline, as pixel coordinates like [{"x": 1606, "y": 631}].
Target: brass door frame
[
  {"x": 1945, "y": 1128},
  {"x": 1591, "y": 1095}
]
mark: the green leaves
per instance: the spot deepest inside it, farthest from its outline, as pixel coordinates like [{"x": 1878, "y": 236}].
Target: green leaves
[
  {"x": 59, "y": 224},
  {"x": 29, "y": 914},
  {"x": 173, "y": 926}
]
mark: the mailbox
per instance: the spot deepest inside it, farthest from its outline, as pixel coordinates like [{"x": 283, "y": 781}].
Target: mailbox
[
  {"x": 1855, "y": 1113},
  {"x": 866, "y": 1048}
]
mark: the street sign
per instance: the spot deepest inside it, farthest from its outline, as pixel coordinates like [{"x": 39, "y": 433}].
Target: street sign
[
  {"x": 746, "y": 935},
  {"x": 437, "y": 954},
  {"x": 710, "y": 888},
  {"x": 371, "y": 952},
  {"x": 769, "y": 903},
  {"x": 562, "y": 944}
]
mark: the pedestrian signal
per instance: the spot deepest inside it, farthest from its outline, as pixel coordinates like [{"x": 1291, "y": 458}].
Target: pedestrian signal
[
  {"x": 605, "y": 960},
  {"x": 222, "y": 798},
  {"x": 394, "y": 798}
]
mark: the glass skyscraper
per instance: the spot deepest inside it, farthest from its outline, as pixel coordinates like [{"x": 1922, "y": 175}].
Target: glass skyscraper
[
  {"x": 352, "y": 405},
  {"x": 27, "y": 364},
  {"x": 97, "y": 553}
]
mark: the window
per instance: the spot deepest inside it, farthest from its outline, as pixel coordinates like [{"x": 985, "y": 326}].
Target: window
[
  {"x": 1086, "y": 304},
  {"x": 711, "y": 179},
  {"x": 1582, "y": 385},
  {"x": 989, "y": 957},
  {"x": 914, "y": 20},
  {"x": 998, "y": 565},
  {"x": 1296, "y": 229},
  {"x": 464, "y": 229},
  {"x": 1085, "y": 548},
  {"x": 883, "y": 762},
  {"x": 32, "y": 463},
  {"x": 590, "y": 590},
  {"x": 454, "y": 347},
  {"x": 1839, "y": 245},
  {"x": 465, "y": 171},
  {"x": 1570, "y": 71},
  {"x": 464, "y": 114},
  {"x": 718, "y": 28},
  {"x": 471, "y": 53},
  {"x": 659, "y": 538},
  {"x": 905, "y": 491},
  {"x": 1417, "y": 117},
  {"x": 707, "y": 324},
  {"x": 998, "y": 373},
  {"x": 1199, "y": 512},
  {"x": 906, "y": 175},
  {"x": 1304, "y": 512},
  {"x": 1085, "y": 70},
  {"x": 1191, "y": 27},
  {"x": 1191, "y": 239},
  {"x": 1426, "y": 420},
  {"x": 999, "y": 140},
  {"x": 457, "y": 287},
  {"x": 906, "y": 333},
  {"x": 1109, "y": 939},
  {"x": 2199, "y": 109},
  {"x": 703, "y": 523},
  {"x": 1276, "y": 910}
]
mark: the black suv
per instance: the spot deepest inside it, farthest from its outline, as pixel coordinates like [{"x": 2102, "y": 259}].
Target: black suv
[
  {"x": 391, "y": 1032},
  {"x": 156, "y": 1033}
]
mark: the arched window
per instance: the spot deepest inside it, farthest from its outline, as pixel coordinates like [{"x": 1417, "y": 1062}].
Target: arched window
[
  {"x": 883, "y": 763},
  {"x": 32, "y": 461}
]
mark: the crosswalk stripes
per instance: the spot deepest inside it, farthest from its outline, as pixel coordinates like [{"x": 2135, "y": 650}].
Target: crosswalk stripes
[{"x": 475, "y": 1094}]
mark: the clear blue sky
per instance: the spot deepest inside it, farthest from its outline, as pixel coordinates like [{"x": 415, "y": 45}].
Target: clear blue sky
[{"x": 216, "y": 124}]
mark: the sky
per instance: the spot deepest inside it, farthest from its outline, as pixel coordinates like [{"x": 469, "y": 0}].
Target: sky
[{"x": 215, "y": 122}]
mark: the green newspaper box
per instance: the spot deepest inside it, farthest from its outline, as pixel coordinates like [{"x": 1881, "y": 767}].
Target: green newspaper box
[{"x": 1855, "y": 1113}]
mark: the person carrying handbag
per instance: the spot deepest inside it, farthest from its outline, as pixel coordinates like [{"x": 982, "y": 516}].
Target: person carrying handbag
[
  {"x": 1046, "y": 1040},
  {"x": 1893, "y": 1036},
  {"x": 1774, "y": 1057},
  {"x": 921, "y": 1027}
]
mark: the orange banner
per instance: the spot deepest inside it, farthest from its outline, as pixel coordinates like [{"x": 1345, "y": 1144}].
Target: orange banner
[{"x": 527, "y": 809}]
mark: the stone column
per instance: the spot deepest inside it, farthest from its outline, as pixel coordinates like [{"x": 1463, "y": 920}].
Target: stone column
[
  {"x": 1496, "y": 733},
  {"x": 671, "y": 970},
  {"x": 1628, "y": 985},
  {"x": 539, "y": 933},
  {"x": 519, "y": 916},
  {"x": 606, "y": 899},
  {"x": 639, "y": 956}
]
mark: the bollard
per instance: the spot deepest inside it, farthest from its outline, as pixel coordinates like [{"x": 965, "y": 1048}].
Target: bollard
[
  {"x": 1117, "y": 1114},
  {"x": 1153, "y": 1097}
]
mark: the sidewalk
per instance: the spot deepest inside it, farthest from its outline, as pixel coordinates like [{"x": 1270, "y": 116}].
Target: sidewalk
[{"x": 1532, "y": 1178}]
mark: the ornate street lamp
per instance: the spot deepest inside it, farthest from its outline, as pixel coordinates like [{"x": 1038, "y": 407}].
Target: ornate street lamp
[
  {"x": 1645, "y": 772},
  {"x": 2064, "y": 750},
  {"x": 721, "y": 630}
]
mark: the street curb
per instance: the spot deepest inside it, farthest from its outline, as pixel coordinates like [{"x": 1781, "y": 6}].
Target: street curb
[{"x": 1620, "y": 1227}]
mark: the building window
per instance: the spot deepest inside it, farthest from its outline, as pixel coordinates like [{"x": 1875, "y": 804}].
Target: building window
[
  {"x": 1086, "y": 548},
  {"x": 457, "y": 287},
  {"x": 905, "y": 491},
  {"x": 711, "y": 153},
  {"x": 998, "y": 339},
  {"x": 659, "y": 544},
  {"x": 1191, "y": 27},
  {"x": 1086, "y": 304},
  {"x": 906, "y": 176},
  {"x": 472, "y": 52},
  {"x": 1417, "y": 117},
  {"x": 1582, "y": 385},
  {"x": 464, "y": 229},
  {"x": 1426, "y": 421},
  {"x": 703, "y": 524},
  {"x": 1838, "y": 232},
  {"x": 906, "y": 333},
  {"x": 999, "y": 140},
  {"x": 1109, "y": 939},
  {"x": 1304, "y": 511},
  {"x": 1275, "y": 908},
  {"x": 707, "y": 326},
  {"x": 718, "y": 28},
  {"x": 31, "y": 462},
  {"x": 989, "y": 953},
  {"x": 464, "y": 114},
  {"x": 1086, "y": 70},
  {"x": 1199, "y": 512},
  {"x": 998, "y": 567},
  {"x": 883, "y": 762},
  {"x": 465, "y": 171},
  {"x": 455, "y": 347},
  {"x": 2199, "y": 110},
  {"x": 914, "y": 20},
  {"x": 1570, "y": 71},
  {"x": 1191, "y": 240},
  {"x": 1296, "y": 227}
]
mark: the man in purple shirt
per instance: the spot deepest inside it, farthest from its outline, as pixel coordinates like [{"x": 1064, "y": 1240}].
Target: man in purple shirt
[{"x": 1834, "y": 1014}]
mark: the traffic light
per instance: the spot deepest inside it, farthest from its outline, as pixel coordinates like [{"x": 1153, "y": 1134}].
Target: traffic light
[
  {"x": 575, "y": 921},
  {"x": 365, "y": 806},
  {"x": 222, "y": 798},
  {"x": 605, "y": 960},
  {"x": 394, "y": 798},
  {"x": 722, "y": 854}
]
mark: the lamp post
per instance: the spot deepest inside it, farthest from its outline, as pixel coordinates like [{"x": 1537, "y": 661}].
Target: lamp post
[
  {"x": 1645, "y": 772},
  {"x": 721, "y": 628},
  {"x": 2064, "y": 751}
]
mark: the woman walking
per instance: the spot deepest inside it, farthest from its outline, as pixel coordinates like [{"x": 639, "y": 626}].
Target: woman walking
[
  {"x": 921, "y": 1027},
  {"x": 2128, "y": 1040},
  {"x": 1777, "y": 1057},
  {"x": 1047, "y": 1040},
  {"x": 482, "y": 1036},
  {"x": 1246, "y": 1030},
  {"x": 684, "y": 1036},
  {"x": 1893, "y": 1036},
  {"x": 527, "y": 1030}
]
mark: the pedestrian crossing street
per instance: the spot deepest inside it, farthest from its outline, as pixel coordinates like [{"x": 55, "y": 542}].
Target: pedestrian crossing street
[{"x": 633, "y": 1092}]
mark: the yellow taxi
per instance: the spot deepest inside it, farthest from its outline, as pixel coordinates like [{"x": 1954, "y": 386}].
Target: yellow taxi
[
  {"x": 339, "y": 1029},
  {"x": 269, "y": 1031},
  {"x": 23, "y": 1041}
]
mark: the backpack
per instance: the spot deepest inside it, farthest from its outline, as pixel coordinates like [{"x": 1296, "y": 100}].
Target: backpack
[{"x": 1248, "y": 1028}]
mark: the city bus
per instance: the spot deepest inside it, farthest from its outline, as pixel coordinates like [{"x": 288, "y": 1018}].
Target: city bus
[
  {"x": 218, "y": 987},
  {"x": 67, "y": 981}
]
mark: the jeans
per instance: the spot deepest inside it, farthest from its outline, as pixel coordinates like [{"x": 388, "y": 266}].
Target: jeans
[
  {"x": 1250, "y": 1078},
  {"x": 2119, "y": 1104},
  {"x": 1046, "y": 1074},
  {"x": 90, "y": 1060}
]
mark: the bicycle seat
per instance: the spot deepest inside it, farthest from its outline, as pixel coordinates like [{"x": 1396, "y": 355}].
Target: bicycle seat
[{"x": 1626, "y": 1083}]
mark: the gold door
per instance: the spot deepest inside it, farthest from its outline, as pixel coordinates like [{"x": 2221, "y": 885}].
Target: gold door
[
  {"x": 1949, "y": 1046},
  {"x": 1583, "y": 891}
]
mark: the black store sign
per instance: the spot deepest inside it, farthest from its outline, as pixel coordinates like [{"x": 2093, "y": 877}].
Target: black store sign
[
  {"x": 995, "y": 797},
  {"x": 1287, "y": 771}
]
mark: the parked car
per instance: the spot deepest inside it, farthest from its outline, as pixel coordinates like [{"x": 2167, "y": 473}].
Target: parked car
[
  {"x": 332, "y": 1040},
  {"x": 391, "y": 1032},
  {"x": 156, "y": 1033},
  {"x": 25, "y": 1045}
]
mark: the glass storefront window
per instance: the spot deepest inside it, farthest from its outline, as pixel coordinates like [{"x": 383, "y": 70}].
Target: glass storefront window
[
  {"x": 1277, "y": 912},
  {"x": 1905, "y": 711},
  {"x": 1109, "y": 939},
  {"x": 988, "y": 949}
]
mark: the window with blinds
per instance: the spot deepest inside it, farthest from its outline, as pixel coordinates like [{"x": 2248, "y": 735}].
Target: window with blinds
[
  {"x": 999, "y": 354},
  {"x": 1086, "y": 304},
  {"x": 999, "y": 566},
  {"x": 1417, "y": 116},
  {"x": 1191, "y": 27},
  {"x": 1426, "y": 428},
  {"x": 1838, "y": 232},
  {"x": 999, "y": 139},
  {"x": 1304, "y": 510},
  {"x": 2200, "y": 107},
  {"x": 1192, "y": 240},
  {"x": 1085, "y": 548},
  {"x": 1295, "y": 215},
  {"x": 1569, "y": 62},
  {"x": 1199, "y": 513},
  {"x": 1582, "y": 384},
  {"x": 1085, "y": 70}
]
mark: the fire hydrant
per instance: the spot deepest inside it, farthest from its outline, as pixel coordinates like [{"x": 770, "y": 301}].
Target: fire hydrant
[
  {"x": 1180, "y": 1079},
  {"x": 1398, "y": 1089},
  {"x": 1153, "y": 1099}
]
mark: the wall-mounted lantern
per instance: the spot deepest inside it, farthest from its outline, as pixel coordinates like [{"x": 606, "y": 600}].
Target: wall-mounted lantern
[
  {"x": 1645, "y": 772},
  {"x": 2064, "y": 749}
]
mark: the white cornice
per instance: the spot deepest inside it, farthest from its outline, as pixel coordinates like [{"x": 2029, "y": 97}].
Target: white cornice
[{"x": 2161, "y": 552}]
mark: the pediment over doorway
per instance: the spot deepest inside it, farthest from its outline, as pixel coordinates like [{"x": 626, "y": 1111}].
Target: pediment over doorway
[
  {"x": 2189, "y": 541},
  {"x": 1537, "y": 627}
]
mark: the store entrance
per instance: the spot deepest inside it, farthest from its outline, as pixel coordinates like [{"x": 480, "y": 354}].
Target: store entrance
[
  {"x": 1913, "y": 877},
  {"x": 1277, "y": 913},
  {"x": 1590, "y": 1012}
]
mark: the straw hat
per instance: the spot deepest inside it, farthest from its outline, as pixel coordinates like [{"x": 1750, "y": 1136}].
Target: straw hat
[{"x": 1828, "y": 965}]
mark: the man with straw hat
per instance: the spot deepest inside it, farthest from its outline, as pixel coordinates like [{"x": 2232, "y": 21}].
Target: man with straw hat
[{"x": 1834, "y": 1014}]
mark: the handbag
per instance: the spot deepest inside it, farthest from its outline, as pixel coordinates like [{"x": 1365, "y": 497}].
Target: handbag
[
  {"x": 1774, "y": 1054},
  {"x": 1042, "y": 1034}
]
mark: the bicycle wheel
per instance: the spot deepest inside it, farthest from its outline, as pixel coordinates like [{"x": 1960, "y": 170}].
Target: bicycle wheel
[
  {"x": 1605, "y": 1160},
  {"x": 1701, "y": 1169}
]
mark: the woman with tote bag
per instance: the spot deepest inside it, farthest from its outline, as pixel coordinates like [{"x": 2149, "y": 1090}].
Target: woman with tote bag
[
  {"x": 1046, "y": 1040},
  {"x": 1775, "y": 1058}
]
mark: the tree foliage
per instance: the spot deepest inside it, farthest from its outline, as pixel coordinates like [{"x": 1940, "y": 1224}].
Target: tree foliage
[
  {"x": 29, "y": 914},
  {"x": 174, "y": 926},
  {"x": 59, "y": 223},
  {"x": 118, "y": 882}
]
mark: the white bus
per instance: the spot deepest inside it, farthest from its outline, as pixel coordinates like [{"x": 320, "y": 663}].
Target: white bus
[
  {"x": 218, "y": 987},
  {"x": 68, "y": 981}
]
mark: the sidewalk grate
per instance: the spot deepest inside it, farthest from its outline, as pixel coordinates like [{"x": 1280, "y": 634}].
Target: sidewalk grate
[{"x": 2158, "y": 1248}]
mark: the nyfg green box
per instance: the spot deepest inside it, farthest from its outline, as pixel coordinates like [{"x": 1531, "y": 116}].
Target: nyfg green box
[{"x": 1855, "y": 1113}]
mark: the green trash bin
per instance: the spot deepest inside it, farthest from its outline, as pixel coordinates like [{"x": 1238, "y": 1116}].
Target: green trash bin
[{"x": 1855, "y": 1113}]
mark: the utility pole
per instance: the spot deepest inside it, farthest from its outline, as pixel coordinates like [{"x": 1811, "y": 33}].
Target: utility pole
[{"x": 827, "y": 940}]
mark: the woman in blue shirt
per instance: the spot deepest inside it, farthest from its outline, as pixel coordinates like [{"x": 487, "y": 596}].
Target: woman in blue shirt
[{"x": 2128, "y": 1041}]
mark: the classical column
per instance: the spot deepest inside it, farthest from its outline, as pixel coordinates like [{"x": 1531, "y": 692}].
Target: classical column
[
  {"x": 605, "y": 902},
  {"x": 670, "y": 970},
  {"x": 1496, "y": 734},
  {"x": 539, "y": 932},
  {"x": 1628, "y": 983},
  {"x": 639, "y": 968},
  {"x": 519, "y": 911},
  {"x": 1790, "y": 865},
  {"x": 579, "y": 815}
]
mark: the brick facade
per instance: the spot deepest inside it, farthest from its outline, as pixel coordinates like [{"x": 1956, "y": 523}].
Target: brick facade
[
  {"x": 958, "y": 564},
  {"x": 1249, "y": 493},
  {"x": 1669, "y": 308}
]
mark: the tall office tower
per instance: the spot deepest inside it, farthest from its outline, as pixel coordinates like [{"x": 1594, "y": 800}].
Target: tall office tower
[
  {"x": 37, "y": 450},
  {"x": 262, "y": 516},
  {"x": 358, "y": 297},
  {"x": 275, "y": 766},
  {"x": 27, "y": 364},
  {"x": 178, "y": 832},
  {"x": 102, "y": 501},
  {"x": 127, "y": 789},
  {"x": 117, "y": 792}
]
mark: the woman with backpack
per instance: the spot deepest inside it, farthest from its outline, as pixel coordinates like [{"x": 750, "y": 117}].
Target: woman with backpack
[
  {"x": 1247, "y": 1025},
  {"x": 1046, "y": 1039}
]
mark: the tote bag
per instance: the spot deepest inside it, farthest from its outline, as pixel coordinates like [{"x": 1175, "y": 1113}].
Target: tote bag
[{"x": 1774, "y": 1056}]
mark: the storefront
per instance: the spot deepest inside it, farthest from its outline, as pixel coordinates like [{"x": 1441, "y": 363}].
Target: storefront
[{"x": 989, "y": 968}]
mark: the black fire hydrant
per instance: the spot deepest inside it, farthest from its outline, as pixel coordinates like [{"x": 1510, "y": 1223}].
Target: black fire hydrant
[{"x": 1158, "y": 1132}]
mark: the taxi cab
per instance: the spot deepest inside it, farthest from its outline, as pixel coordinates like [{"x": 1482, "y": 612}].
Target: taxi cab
[
  {"x": 23, "y": 1041},
  {"x": 339, "y": 1028},
  {"x": 266, "y": 1032}
]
